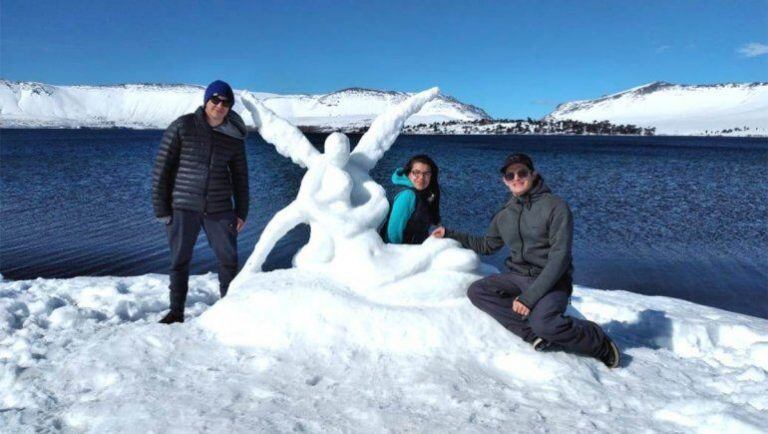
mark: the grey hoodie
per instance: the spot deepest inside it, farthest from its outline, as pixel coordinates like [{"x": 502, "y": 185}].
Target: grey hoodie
[
  {"x": 233, "y": 126},
  {"x": 538, "y": 228}
]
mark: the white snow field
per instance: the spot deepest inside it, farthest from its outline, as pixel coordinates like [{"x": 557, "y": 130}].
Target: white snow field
[
  {"x": 387, "y": 343},
  {"x": 295, "y": 351}
]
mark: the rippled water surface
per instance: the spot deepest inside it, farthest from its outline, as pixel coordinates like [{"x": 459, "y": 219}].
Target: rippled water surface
[{"x": 683, "y": 217}]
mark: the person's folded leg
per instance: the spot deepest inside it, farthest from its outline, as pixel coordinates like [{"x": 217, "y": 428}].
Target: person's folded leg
[{"x": 494, "y": 295}]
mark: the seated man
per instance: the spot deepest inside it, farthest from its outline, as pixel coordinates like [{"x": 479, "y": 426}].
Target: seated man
[{"x": 530, "y": 299}]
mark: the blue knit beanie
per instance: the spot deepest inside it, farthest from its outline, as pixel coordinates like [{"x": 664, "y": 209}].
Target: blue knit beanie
[{"x": 220, "y": 88}]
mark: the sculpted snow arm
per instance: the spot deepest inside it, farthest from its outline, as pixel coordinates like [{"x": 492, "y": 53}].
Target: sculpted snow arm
[
  {"x": 288, "y": 140},
  {"x": 285, "y": 220},
  {"x": 373, "y": 212},
  {"x": 386, "y": 127}
]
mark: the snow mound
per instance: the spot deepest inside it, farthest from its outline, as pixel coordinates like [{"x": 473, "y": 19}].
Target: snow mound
[{"x": 294, "y": 350}]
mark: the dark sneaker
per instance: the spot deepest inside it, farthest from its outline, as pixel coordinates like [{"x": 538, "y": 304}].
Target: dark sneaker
[
  {"x": 540, "y": 344},
  {"x": 612, "y": 356},
  {"x": 172, "y": 317}
]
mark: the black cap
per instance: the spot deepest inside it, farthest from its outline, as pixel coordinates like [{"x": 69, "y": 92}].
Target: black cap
[{"x": 517, "y": 159}]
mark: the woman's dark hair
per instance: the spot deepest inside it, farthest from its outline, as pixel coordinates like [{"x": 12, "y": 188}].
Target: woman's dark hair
[{"x": 432, "y": 192}]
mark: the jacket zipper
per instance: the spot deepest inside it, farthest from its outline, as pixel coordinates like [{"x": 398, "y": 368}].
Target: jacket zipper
[
  {"x": 208, "y": 174},
  {"x": 520, "y": 234}
]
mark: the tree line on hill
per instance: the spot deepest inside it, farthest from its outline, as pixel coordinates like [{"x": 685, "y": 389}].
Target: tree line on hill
[
  {"x": 507, "y": 126},
  {"x": 528, "y": 126}
]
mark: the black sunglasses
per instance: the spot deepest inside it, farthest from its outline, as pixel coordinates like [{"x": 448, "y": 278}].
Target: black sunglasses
[
  {"x": 522, "y": 174},
  {"x": 216, "y": 100}
]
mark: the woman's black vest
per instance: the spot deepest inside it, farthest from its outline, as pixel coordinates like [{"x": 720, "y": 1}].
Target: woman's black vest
[{"x": 417, "y": 228}]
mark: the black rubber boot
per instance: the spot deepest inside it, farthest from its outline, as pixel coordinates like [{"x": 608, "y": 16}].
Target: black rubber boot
[
  {"x": 611, "y": 355},
  {"x": 540, "y": 344},
  {"x": 172, "y": 317}
]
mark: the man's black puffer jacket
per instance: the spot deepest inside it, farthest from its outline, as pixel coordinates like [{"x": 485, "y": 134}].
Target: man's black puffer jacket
[{"x": 199, "y": 168}]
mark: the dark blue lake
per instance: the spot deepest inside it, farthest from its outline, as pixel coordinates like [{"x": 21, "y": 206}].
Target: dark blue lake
[{"x": 675, "y": 216}]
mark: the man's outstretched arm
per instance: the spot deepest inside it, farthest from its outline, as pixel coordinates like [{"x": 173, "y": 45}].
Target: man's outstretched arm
[{"x": 484, "y": 245}]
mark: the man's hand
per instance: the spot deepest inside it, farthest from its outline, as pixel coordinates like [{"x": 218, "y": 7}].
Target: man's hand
[
  {"x": 439, "y": 232},
  {"x": 240, "y": 224},
  {"x": 520, "y": 309}
]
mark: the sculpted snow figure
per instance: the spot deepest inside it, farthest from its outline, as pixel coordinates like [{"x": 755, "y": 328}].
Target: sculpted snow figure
[{"x": 344, "y": 206}]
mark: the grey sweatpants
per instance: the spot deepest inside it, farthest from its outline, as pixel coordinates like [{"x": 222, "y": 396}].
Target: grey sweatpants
[
  {"x": 221, "y": 231},
  {"x": 495, "y": 294}
]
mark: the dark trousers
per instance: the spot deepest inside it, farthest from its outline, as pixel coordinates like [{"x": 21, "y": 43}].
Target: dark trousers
[
  {"x": 221, "y": 231},
  {"x": 495, "y": 294}
]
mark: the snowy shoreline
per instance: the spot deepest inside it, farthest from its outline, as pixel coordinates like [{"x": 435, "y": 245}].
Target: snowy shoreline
[
  {"x": 417, "y": 134},
  {"x": 293, "y": 350}
]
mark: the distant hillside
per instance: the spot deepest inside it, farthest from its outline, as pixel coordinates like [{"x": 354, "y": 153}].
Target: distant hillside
[
  {"x": 660, "y": 108},
  {"x": 149, "y": 106},
  {"x": 730, "y": 109}
]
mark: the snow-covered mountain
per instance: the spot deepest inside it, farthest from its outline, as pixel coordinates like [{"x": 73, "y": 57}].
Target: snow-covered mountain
[
  {"x": 37, "y": 105},
  {"x": 740, "y": 109}
]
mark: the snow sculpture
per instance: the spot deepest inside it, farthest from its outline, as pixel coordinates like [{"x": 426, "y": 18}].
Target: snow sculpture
[{"x": 344, "y": 206}]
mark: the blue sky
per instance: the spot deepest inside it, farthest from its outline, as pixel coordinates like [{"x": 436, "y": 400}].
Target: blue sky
[{"x": 513, "y": 59}]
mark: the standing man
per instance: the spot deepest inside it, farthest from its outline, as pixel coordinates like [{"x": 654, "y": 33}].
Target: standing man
[
  {"x": 199, "y": 167},
  {"x": 530, "y": 299}
]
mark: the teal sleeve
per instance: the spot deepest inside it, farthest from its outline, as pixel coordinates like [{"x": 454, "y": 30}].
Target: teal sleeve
[{"x": 402, "y": 208}]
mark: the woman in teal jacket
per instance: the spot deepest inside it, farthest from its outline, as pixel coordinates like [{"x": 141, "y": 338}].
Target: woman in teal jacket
[{"x": 417, "y": 205}]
